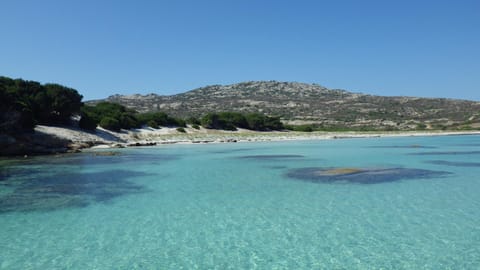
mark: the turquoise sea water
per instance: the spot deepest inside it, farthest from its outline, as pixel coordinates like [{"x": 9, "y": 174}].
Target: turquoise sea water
[{"x": 403, "y": 203}]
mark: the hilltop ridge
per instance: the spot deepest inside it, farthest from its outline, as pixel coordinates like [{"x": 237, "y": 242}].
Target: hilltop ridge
[{"x": 301, "y": 103}]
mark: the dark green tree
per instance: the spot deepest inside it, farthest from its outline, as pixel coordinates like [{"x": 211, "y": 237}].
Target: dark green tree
[
  {"x": 110, "y": 123},
  {"x": 26, "y": 103}
]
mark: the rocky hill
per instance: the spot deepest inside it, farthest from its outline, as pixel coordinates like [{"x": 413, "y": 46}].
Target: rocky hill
[{"x": 300, "y": 103}]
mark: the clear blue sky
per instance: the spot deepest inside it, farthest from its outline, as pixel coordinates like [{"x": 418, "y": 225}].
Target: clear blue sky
[{"x": 416, "y": 48}]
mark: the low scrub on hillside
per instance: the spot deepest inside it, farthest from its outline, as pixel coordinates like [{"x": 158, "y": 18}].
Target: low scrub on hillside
[{"x": 234, "y": 120}]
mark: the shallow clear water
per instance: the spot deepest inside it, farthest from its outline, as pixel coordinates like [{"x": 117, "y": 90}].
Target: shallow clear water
[{"x": 382, "y": 203}]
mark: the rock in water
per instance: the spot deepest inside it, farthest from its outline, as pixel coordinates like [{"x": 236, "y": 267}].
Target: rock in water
[{"x": 361, "y": 175}]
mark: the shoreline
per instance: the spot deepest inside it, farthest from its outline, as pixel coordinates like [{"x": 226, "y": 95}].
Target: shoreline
[
  {"x": 50, "y": 140},
  {"x": 102, "y": 139}
]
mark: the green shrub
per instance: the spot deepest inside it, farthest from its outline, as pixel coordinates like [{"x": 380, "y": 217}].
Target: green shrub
[
  {"x": 304, "y": 128},
  {"x": 23, "y": 104},
  {"x": 421, "y": 126},
  {"x": 234, "y": 120},
  {"x": 193, "y": 121},
  {"x": 181, "y": 129},
  {"x": 195, "y": 126},
  {"x": 110, "y": 123},
  {"x": 211, "y": 120},
  {"x": 126, "y": 117},
  {"x": 87, "y": 122},
  {"x": 262, "y": 122},
  {"x": 152, "y": 124},
  {"x": 160, "y": 118},
  {"x": 179, "y": 122}
]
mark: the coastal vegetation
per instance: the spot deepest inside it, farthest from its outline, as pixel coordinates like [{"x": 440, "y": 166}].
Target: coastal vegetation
[
  {"x": 114, "y": 117},
  {"x": 157, "y": 119},
  {"x": 24, "y": 104},
  {"x": 108, "y": 115},
  {"x": 181, "y": 130},
  {"x": 234, "y": 120}
]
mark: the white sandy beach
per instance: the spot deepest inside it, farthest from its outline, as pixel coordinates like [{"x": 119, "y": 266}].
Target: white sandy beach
[{"x": 102, "y": 138}]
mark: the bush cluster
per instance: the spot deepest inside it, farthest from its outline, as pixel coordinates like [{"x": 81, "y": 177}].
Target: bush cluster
[
  {"x": 23, "y": 104},
  {"x": 234, "y": 120},
  {"x": 155, "y": 119},
  {"x": 114, "y": 117},
  {"x": 108, "y": 115}
]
